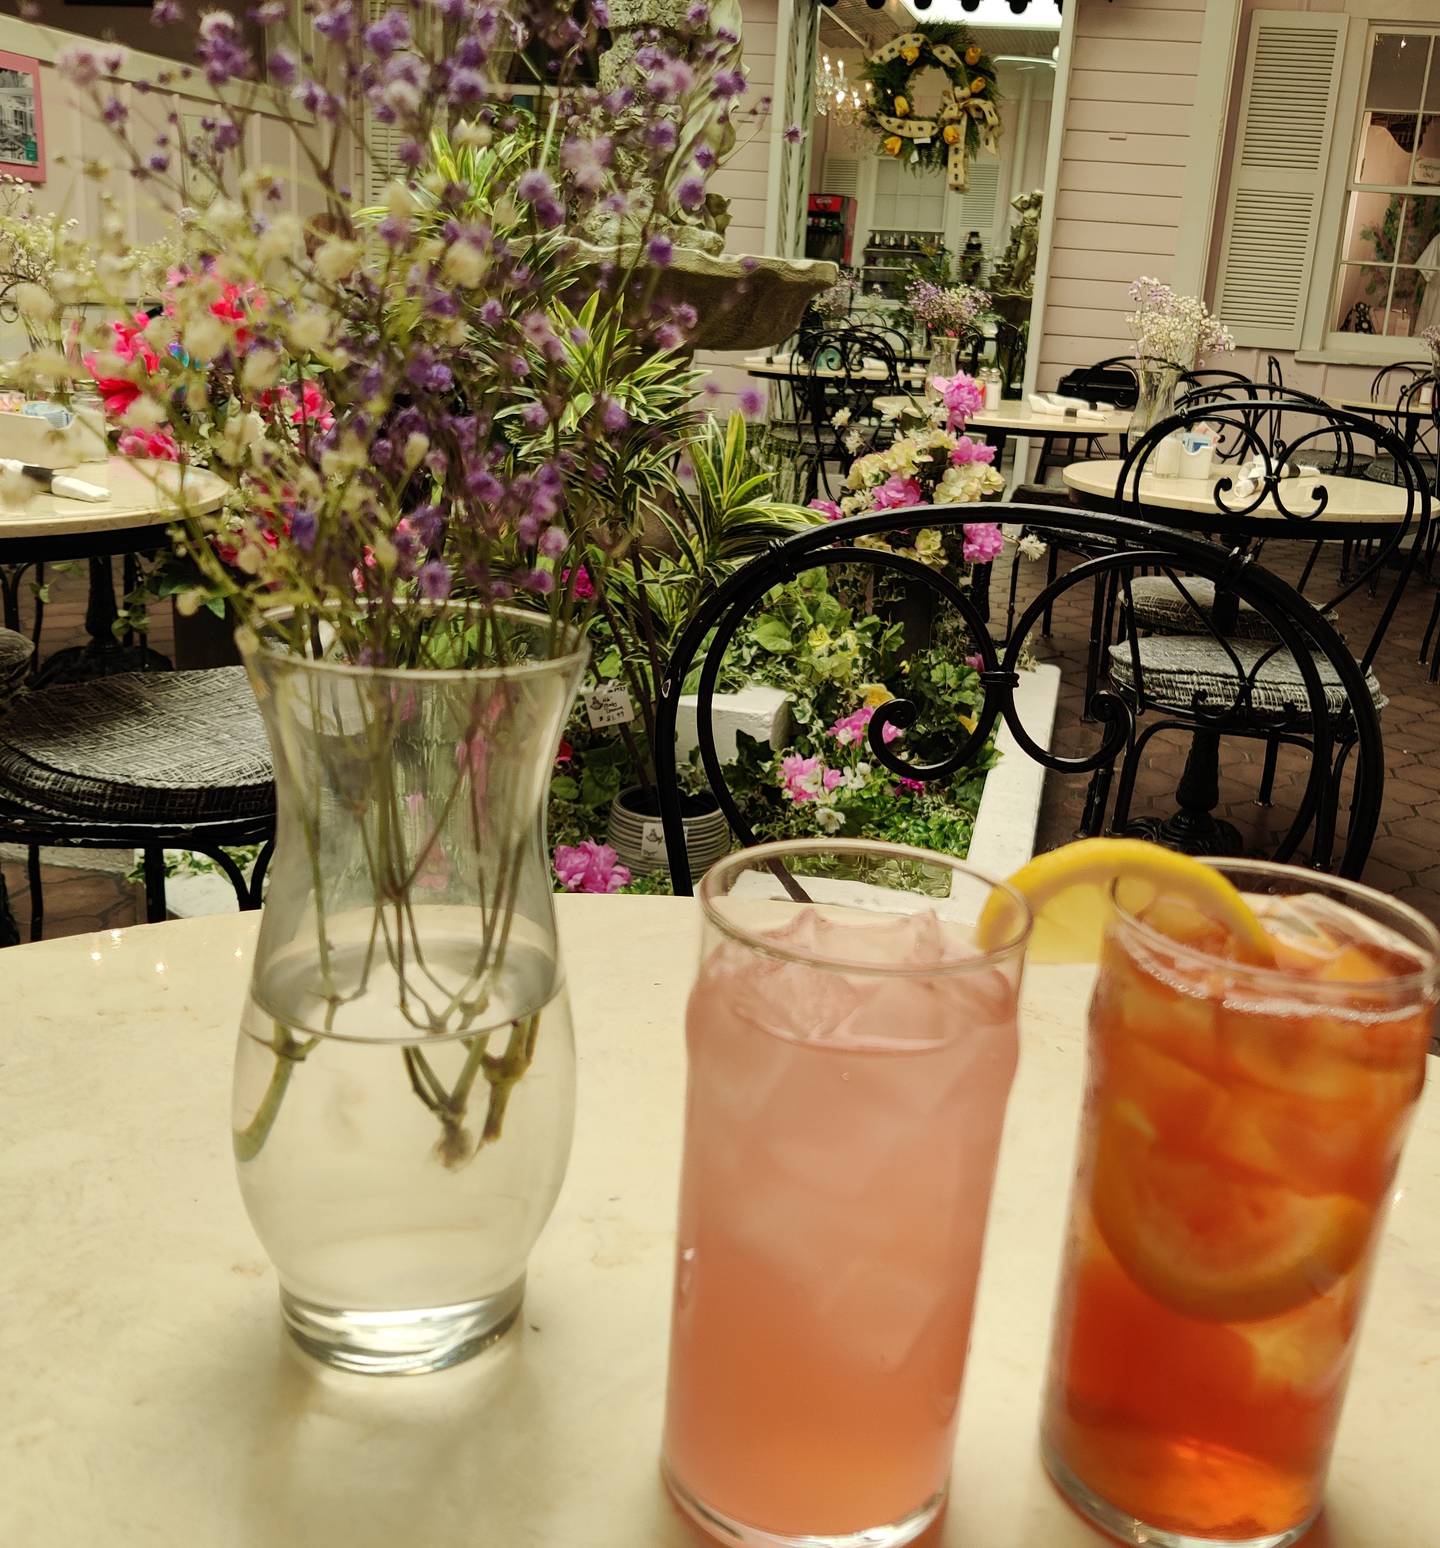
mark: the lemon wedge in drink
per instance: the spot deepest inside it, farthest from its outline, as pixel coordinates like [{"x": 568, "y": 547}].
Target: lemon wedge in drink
[{"x": 1072, "y": 893}]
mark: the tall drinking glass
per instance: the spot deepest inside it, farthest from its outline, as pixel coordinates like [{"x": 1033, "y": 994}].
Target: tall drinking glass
[
  {"x": 851, "y": 1051},
  {"x": 1241, "y": 1133}
]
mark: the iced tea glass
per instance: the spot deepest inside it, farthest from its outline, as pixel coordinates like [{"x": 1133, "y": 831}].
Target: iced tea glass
[
  {"x": 850, "y": 1055},
  {"x": 1241, "y": 1133}
]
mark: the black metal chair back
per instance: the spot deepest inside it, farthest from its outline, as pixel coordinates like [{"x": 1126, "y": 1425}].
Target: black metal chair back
[
  {"x": 848, "y": 369},
  {"x": 1271, "y": 436},
  {"x": 1111, "y": 381},
  {"x": 1325, "y": 670}
]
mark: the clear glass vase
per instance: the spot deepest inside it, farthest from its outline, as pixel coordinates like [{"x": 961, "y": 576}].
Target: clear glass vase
[
  {"x": 404, "y": 1080},
  {"x": 1158, "y": 384},
  {"x": 944, "y": 359}
]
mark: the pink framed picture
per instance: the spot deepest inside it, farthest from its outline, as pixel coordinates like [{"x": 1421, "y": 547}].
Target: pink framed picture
[{"x": 22, "y": 130}]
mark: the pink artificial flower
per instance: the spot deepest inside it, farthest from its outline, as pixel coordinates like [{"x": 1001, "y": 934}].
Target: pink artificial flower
[
  {"x": 827, "y": 508},
  {"x": 962, "y": 396},
  {"x": 967, "y": 450},
  {"x": 584, "y": 587},
  {"x": 589, "y": 867},
  {"x": 802, "y": 779},
  {"x": 118, "y": 392},
  {"x": 983, "y": 542},
  {"x": 914, "y": 786},
  {"x": 849, "y": 730},
  {"x": 830, "y": 779},
  {"x": 975, "y": 662},
  {"x": 895, "y": 493},
  {"x": 157, "y": 444}
]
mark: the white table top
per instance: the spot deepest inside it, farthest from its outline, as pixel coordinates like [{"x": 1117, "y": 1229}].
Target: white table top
[
  {"x": 1381, "y": 406},
  {"x": 143, "y": 493},
  {"x": 1359, "y": 500},
  {"x": 1016, "y": 418},
  {"x": 149, "y": 1399}
]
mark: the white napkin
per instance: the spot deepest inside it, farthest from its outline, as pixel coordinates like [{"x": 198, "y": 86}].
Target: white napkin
[
  {"x": 1092, "y": 414},
  {"x": 1060, "y": 401}
]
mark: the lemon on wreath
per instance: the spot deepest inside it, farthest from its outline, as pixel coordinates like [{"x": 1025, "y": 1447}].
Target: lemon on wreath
[
  {"x": 910, "y": 55},
  {"x": 891, "y": 144},
  {"x": 977, "y": 85},
  {"x": 972, "y": 54},
  {"x": 902, "y": 107},
  {"x": 951, "y": 134}
]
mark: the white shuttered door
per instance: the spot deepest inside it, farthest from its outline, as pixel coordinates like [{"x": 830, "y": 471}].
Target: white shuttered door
[{"x": 1282, "y": 155}]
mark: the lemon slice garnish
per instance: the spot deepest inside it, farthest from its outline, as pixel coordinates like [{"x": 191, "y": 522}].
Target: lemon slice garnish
[{"x": 1071, "y": 892}]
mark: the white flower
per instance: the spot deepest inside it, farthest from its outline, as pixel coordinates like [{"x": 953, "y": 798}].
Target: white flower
[
  {"x": 464, "y": 265},
  {"x": 34, "y": 302},
  {"x": 307, "y": 331},
  {"x": 261, "y": 369},
  {"x": 1031, "y": 546},
  {"x": 840, "y": 418},
  {"x": 853, "y": 441},
  {"x": 205, "y": 337},
  {"x": 336, "y": 261},
  {"x": 828, "y": 820}
]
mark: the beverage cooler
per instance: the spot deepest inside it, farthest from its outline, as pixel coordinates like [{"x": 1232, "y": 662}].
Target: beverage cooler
[{"x": 830, "y": 227}]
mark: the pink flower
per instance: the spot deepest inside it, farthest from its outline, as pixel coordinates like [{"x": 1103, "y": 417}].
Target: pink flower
[
  {"x": 129, "y": 344},
  {"x": 584, "y": 587},
  {"x": 827, "y": 508},
  {"x": 589, "y": 867},
  {"x": 564, "y": 755},
  {"x": 830, "y": 779},
  {"x": 159, "y": 444},
  {"x": 983, "y": 542},
  {"x": 962, "y": 396},
  {"x": 975, "y": 662},
  {"x": 895, "y": 493},
  {"x": 967, "y": 450},
  {"x": 914, "y": 786},
  {"x": 849, "y": 730},
  {"x": 802, "y": 779}
]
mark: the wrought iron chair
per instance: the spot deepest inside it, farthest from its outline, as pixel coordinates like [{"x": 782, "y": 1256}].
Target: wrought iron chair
[
  {"x": 1323, "y": 708},
  {"x": 142, "y": 760},
  {"x": 1279, "y": 432}
]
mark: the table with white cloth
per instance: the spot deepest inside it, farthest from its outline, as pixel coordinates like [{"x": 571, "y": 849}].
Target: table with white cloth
[{"x": 150, "y": 1399}]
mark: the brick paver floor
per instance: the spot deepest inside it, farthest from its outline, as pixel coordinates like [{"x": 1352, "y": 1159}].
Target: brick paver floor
[{"x": 1405, "y": 859}]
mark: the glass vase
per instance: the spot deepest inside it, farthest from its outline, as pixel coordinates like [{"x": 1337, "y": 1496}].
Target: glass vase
[
  {"x": 944, "y": 360},
  {"x": 404, "y": 1078},
  {"x": 1158, "y": 383}
]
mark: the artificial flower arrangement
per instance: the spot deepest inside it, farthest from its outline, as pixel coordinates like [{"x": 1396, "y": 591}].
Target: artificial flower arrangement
[
  {"x": 1172, "y": 329},
  {"x": 1430, "y": 338},
  {"x": 953, "y": 311}
]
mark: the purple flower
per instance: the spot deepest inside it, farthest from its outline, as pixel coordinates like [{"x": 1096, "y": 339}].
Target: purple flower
[
  {"x": 691, "y": 192},
  {"x": 535, "y": 415},
  {"x": 662, "y": 137},
  {"x": 612, "y": 415},
  {"x": 391, "y": 32},
  {"x": 281, "y": 67},
  {"x": 336, "y": 22},
  {"x": 728, "y": 84},
  {"x": 705, "y": 158},
  {"x": 78, "y": 64},
  {"x": 699, "y": 14},
  {"x": 466, "y": 86},
  {"x": 434, "y": 580},
  {"x": 668, "y": 336},
  {"x": 589, "y": 867},
  {"x": 793, "y": 134},
  {"x": 538, "y": 191},
  {"x": 586, "y": 161},
  {"x": 115, "y": 112},
  {"x": 542, "y": 582},
  {"x": 752, "y": 402},
  {"x": 553, "y": 542},
  {"x": 165, "y": 13},
  {"x": 303, "y": 528},
  {"x": 660, "y": 250}
]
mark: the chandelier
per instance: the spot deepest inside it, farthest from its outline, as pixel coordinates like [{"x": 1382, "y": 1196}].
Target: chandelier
[{"x": 835, "y": 97}]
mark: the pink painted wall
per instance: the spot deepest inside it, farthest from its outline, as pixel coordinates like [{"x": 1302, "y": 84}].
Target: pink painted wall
[{"x": 1124, "y": 147}]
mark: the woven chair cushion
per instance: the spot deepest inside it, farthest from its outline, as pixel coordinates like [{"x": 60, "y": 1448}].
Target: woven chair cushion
[
  {"x": 1382, "y": 470},
  {"x": 1159, "y": 605},
  {"x": 166, "y": 747},
  {"x": 15, "y": 654},
  {"x": 1175, "y": 669}
]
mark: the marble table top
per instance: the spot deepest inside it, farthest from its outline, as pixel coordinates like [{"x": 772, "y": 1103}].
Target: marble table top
[
  {"x": 143, "y": 493},
  {"x": 148, "y": 1398},
  {"x": 1355, "y": 501}
]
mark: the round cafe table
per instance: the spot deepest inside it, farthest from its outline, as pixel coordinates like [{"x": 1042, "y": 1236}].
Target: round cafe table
[
  {"x": 145, "y": 496},
  {"x": 1356, "y": 507},
  {"x": 148, "y": 1397}
]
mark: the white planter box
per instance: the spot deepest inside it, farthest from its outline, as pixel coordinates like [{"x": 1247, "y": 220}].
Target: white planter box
[
  {"x": 1004, "y": 837},
  {"x": 763, "y": 713}
]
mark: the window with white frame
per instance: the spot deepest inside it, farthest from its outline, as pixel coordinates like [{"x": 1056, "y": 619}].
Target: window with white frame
[{"x": 1387, "y": 280}]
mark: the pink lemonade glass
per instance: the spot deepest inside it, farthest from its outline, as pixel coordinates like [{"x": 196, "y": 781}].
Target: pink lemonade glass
[{"x": 850, "y": 1054}]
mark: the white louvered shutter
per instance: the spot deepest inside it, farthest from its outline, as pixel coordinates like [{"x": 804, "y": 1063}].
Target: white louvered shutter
[
  {"x": 379, "y": 162},
  {"x": 980, "y": 204},
  {"x": 1277, "y": 180},
  {"x": 842, "y": 175}
]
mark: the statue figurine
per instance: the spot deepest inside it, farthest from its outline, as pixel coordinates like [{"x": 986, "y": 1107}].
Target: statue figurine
[
  {"x": 972, "y": 260},
  {"x": 1015, "y": 271}
]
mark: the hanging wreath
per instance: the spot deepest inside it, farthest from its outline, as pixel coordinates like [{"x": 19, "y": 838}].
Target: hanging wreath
[{"x": 967, "y": 121}]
